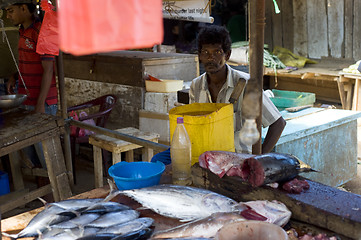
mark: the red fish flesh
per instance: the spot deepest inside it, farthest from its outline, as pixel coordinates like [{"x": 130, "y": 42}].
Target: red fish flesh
[{"x": 222, "y": 162}]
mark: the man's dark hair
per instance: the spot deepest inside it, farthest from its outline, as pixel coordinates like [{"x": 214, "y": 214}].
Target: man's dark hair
[
  {"x": 31, "y": 6},
  {"x": 214, "y": 34}
]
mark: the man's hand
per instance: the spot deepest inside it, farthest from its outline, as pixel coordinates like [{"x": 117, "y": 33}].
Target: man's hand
[
  {"x": 40, "y": 107},
  {"x": 10, "y": 86}
]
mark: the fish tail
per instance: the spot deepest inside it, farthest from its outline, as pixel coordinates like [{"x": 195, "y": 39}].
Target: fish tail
[{"x": 113, "y": 192}]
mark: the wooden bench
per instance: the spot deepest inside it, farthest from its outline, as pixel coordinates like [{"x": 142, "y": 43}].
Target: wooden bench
[{"x": 116, "y": 147}]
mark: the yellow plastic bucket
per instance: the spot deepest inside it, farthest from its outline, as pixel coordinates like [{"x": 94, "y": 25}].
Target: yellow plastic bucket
[{"x": 209, "y": 126}]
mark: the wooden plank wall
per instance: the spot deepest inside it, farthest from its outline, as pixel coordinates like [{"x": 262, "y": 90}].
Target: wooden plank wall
[{"x": 316, "y": 28}]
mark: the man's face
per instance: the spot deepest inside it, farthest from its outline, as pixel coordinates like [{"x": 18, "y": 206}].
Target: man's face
[
  {"x": 15, "y": 14},
  {"x": 213, "y": 58}
]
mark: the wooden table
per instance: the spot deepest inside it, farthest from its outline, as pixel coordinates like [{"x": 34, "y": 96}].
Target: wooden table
[
  {"x": 20, "y": 128},
  {"x": 323, "y": 79},
  {"x": 351, "y": 86},
  {"x": 116, "y": 147}
]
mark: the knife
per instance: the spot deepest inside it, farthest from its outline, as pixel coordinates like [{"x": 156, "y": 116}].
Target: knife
[{"x": 299, "y": 108}]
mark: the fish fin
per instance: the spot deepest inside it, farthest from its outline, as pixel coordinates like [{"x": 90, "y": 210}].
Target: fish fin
[
  {"x": 308, "y": 170},
  {"x": 113, "y": 192},
  {"x": 12, "y": 236},
  {"x": 142, "y": 208},
  {"x": 40, "y": 234},
  {"x": 43, "y": 201}
]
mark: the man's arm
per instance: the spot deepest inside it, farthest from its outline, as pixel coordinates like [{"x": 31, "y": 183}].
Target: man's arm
[
  {"x": 45, "y": 85},
  {"x": 273, "y": 134},
  {"x": 10, "y": 86}
]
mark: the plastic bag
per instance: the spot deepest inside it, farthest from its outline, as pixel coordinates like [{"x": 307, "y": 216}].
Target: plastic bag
[
  {"x": 93, "y": 26},
  {"x": 82, "y": 131},
  {"x": 291, "y": 59},
  {"x": 48, "y": 40}
]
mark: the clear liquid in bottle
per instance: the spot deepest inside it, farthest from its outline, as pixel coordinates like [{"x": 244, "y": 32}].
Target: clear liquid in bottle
[{"x": 181, "y": 155}]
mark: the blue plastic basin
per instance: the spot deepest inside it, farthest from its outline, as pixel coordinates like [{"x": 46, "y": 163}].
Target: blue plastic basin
[{"x": 133, "y": 175}]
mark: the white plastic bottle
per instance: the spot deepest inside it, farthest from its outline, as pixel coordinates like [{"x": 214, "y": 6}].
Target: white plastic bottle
[{"x": 181, "y": 155}]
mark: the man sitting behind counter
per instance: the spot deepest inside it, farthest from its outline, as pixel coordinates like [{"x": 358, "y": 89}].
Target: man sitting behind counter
[{"x": 217, "y": 84}]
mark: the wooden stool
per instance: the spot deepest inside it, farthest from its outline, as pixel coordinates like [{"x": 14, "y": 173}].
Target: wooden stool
[{"x": 116, "y": 147}]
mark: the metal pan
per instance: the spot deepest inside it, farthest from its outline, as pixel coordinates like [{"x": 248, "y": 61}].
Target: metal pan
[{"x": 12, "y": 101}]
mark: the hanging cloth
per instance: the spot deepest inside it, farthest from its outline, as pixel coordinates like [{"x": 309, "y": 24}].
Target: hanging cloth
[{"x": 93, "y": 26}]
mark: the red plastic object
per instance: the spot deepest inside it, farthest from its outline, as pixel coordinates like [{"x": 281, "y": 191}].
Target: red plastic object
[
  {"x": 92, "y": 26},
  {"x": 48, "y": 40}
]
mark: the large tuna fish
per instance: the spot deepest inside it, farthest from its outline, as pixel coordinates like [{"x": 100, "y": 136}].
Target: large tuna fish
[
  {"x": 272, "y": 167},
  {"x": 255, "y": 169},
  {"x": 181, "y": 202}
]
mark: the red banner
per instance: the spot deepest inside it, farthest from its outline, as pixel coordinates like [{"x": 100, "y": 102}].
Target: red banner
[{"x": 93, "y": 26}]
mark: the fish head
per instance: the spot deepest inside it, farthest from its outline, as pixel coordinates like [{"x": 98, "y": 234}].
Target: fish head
[{"x": 218, "y": 203}]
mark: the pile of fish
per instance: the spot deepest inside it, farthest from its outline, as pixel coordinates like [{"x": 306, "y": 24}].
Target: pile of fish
[
  {"x": 255, "y": 169},
  {"x": 204, "y": 211},
  {"x": 86, "y": 219}
]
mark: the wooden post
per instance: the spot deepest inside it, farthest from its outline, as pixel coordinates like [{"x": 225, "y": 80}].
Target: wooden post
[{"x": 255, "y": 85}]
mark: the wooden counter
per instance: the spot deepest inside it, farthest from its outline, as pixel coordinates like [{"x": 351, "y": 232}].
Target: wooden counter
[
  {"x": 20, "y": 128},
  {"x": 321, "y": 206}
]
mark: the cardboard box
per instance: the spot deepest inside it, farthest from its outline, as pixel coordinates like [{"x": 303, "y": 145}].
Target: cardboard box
[{"x": 156, "y": 123}]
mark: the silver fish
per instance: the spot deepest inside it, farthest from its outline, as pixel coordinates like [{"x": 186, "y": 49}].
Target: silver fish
[
  {"x": 201, "y": 228},
  {"x": 142, "y": 234},
  {"x": 76, "y": 204},
  {"x": 55, "y": 233},
  {"x": 81, "y": 220},
  {"x": 48, "y": 216},
  {"x": 128, "y": 227},
  {"x": 114, "y": 218},
  {"x": 105, "y": 207},
  {"x": 181, "y": 202}
]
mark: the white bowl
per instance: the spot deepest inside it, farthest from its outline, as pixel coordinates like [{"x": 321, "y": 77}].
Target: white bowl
[{"x": 251, "y": 230}]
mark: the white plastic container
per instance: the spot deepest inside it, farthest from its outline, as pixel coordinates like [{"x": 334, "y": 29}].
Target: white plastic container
[
  {"x": 163, "y": 85},
  {"x": 181, "y": 155},
  {"x": 251, "y": 230}
]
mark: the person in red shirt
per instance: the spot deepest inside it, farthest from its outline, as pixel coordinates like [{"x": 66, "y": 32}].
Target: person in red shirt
[{"x": 36, "y": 70}]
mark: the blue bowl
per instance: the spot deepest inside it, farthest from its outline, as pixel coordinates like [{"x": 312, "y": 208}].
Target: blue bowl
[{"x": 132, "y": 175}]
